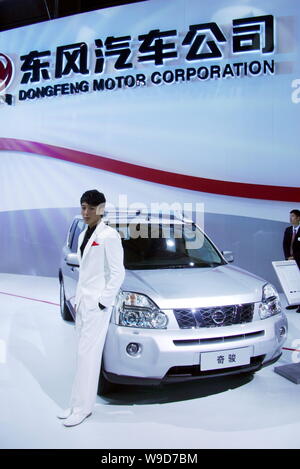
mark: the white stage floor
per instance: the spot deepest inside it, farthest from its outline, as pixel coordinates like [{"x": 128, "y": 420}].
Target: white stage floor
[{"x": 37, "y": 365}]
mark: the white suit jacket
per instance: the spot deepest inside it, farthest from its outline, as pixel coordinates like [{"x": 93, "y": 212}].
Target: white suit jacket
[{"x": 101, "y": 268}]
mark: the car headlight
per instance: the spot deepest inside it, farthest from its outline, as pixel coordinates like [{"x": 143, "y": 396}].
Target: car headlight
[
  {"x": 270, "y": 304},
  {"x": 137, "y": 310}
]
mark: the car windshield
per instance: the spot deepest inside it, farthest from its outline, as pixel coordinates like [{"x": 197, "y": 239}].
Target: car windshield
[{"x": 166, "y": 246}]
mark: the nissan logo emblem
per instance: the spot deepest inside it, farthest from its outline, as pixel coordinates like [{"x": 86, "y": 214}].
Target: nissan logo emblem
[{"x": 218, "y": 317}]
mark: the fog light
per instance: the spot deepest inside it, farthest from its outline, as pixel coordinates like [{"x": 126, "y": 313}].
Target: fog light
[
  {"x": 282, "y": 331},
  {"x": 133, "y": 349}
]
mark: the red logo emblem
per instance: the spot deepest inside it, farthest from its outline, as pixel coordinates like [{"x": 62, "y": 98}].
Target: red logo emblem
[
  {"x": 6, "y": 71},
  {"x": 95, "y": 244}
]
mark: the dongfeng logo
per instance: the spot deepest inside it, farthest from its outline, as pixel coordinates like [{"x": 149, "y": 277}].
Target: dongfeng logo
[{"x": 6, "y": 71}]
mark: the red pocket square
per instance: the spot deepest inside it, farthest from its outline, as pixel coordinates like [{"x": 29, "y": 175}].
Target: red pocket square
[{"x": 95, "y": 244}]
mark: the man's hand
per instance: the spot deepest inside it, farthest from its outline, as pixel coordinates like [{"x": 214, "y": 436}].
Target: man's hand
[{"x": 290, "y": 258}]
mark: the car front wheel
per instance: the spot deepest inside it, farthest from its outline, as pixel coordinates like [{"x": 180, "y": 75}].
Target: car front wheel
[{"x": 64, "y": 310}]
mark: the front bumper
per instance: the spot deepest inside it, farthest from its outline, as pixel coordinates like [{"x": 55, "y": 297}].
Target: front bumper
[{"x": 172, "y": 355}]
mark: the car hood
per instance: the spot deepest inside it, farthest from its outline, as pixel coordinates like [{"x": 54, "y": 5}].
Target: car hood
[{"x": 195, "y": 287}]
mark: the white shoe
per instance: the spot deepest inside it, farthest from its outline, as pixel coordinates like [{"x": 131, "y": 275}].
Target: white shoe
[
  {"x": 64, "y": 414},
  {"x": 75, "y": 419}
]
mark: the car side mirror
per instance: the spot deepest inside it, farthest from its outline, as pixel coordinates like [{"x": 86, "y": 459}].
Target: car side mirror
[
  {"x": 228, "y": 255},
  {"x": 72, "y": 259}
]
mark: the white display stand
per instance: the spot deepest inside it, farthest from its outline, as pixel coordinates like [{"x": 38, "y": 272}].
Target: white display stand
[{"x": 288, "y": 274}]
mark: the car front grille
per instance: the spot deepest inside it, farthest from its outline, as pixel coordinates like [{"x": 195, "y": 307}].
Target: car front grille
[{"x": 216, "y": 316}]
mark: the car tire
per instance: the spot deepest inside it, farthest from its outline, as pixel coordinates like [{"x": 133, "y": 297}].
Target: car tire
[
  {"x": 105, "y": 387},
  {"x": 64, "y": 310}
]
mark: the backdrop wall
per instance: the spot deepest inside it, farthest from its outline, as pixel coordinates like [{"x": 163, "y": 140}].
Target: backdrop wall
[{"x": 163, "y": 101}]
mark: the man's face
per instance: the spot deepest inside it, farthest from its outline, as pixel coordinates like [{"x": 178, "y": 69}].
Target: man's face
[
  {"x": 294, "y": 220},
  {"x": 91, "y": 214}
]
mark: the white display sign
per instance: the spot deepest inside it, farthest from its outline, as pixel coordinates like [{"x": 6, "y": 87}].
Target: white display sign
[
  {"x": 225, "y": 358},
  {"x": 288, "y": 274}
]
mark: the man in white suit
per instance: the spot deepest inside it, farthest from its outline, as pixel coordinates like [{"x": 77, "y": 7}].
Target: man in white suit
[{"x": 101, "y": 274}]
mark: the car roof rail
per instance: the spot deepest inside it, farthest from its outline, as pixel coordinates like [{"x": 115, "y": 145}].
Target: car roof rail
[
  {"x": 172, "y": 214},
  {"x": 119, "y": 213},
  {"x": 148, "y": 214}
]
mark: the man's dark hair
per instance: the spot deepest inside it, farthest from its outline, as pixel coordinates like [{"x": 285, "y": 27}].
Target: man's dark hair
[
  {"x": 296, "y": 212},
  {"x": 93, "y": 197}
]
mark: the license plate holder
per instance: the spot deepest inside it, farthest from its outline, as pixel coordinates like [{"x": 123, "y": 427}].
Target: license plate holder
[{"x": 225, "y": 358}]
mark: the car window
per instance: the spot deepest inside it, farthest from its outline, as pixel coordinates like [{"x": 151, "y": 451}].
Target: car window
[
  {"x": 157, "y": 245},
  {"x": 71, "y": 232},
  {"x": 79, "y": 228}
]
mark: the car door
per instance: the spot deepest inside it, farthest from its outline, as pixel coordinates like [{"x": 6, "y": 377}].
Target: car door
[{"x": 71, "y": 272}]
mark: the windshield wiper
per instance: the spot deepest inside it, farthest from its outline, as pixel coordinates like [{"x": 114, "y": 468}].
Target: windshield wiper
[
  {"x": 172, "y": 266},
  {"x": 185, "y": 266}
]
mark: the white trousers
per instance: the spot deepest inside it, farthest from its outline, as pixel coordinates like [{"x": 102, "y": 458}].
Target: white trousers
[{"x": 91, "y": 328}]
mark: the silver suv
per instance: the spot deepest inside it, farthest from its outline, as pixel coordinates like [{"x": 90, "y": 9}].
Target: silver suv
[{"x": 183, "y": 312}]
